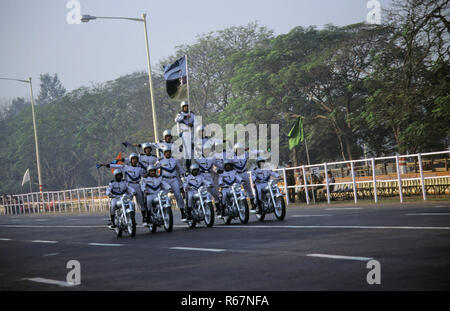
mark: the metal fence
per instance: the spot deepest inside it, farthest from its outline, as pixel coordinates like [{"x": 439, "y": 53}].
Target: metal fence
[{"x": 372, "y": 178}]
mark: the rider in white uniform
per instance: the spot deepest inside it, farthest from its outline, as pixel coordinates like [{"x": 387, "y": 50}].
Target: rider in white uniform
[
  {"x": 171, "y": 172},
  {"x": 261, "y": 177},
  {"x": 115, "y": 189},
  {"x": 192, "y": 183},
  {"x": 150, "y": 186},
  {"x": 227, "y": 179}
]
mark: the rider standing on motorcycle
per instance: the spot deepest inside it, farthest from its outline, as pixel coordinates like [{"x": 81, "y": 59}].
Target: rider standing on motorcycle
[
  {"x": 171, "y": 172},
  {"x": 116, "y": 188},
  {"x": 192, "y": 183},
  {"x": 133, "y": 173},
  {"x": 226, "y": 180},
  {"x": 186, "y": 120},
  {"x": 261, "y": 177},
  {"x": 150, "y": 186}
]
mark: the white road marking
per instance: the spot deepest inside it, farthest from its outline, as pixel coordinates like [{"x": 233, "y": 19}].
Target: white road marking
[
  {"x": 342, "y": 208},
  {"x": 216, "y": 250},
  {"x": 43, "y": 241},
  {"x": 337, "y": 227},
  {"x": 5, "y": 239},
  {"x": 49, "y": 226},
  {"x": 340, "y": 257},
  {"x": 310, "y": 215},
  {"x": 41, "y": 219},
  {"x": 49, "y": 281},
  {"x": 428, "y": 214},
  {"x": 51, "y": 254},
  {"x": 104, "y": 244}
]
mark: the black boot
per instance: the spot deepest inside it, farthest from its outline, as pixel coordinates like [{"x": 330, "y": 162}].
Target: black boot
[
  {"x": 252, "y": 202},
  {"x": 111, "y": 224},
  {"x": 144, "y": 217},
  {"x": 183, "y": 214}
]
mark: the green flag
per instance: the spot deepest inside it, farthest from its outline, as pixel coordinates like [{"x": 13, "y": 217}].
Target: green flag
[{"x": 296, "y": 134}]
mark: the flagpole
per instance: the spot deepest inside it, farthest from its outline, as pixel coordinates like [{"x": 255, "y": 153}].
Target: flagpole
[{"x": 189, "y": 106}]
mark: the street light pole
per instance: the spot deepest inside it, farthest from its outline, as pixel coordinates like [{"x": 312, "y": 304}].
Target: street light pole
[
  {"x": 87, "y": 18},
  {"x": 35, "y": 138},
  {"x": 38, "y": 163},
  {"x": 155, "y": 124}
]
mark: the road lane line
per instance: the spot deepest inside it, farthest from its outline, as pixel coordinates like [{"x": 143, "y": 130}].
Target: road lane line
[
  {"x": 104, "y": 244},
  {"x": 428, "y": 214},
  {"x": 43, "y": 241},
  {"x": 337, "y": 227},
  {"x": 49, "y": 226},
  {"x": 340, "y": 257},
  {"x": 294, "y": 216},
  {"x": 51, "y": 254},
  {"x": 342, "y": 208},
  {"x": 49, "y": 281},
  {"x": 216, "y": 250},
  {"x": 5, "y": 239}
]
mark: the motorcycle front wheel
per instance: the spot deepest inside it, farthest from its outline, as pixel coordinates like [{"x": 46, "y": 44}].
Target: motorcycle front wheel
[
  {"x": 243, "y": 211},
  {"x": 168, "y": 219},
  {"x": 131, "y": 224},
  {"x": 209, "y": 215},
  {"x": 280, "y": 208}
]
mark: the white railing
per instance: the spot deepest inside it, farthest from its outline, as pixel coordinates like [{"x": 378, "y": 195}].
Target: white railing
[
  {"x": 381, "y": 183},
  {"x": 390, "y": 177}
]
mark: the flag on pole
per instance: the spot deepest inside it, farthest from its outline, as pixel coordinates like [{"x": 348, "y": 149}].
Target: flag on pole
[
  {"x": 26, "y": 177},
  {"x": 296, "y": 134},
  {"x": 176, "y": 79}
]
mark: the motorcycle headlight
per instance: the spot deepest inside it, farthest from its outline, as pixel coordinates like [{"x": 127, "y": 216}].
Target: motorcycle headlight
[
  {"x": 237, "y": 187},
  {"x": 163, "y": 195},
  {"x": 126, "y": 199},
  {"x": 203, "y": 191}
]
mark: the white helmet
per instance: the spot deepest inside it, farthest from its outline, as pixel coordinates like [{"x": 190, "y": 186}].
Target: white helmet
[
  {"x": 117, "y": 172},
  {"x": 194, "y": 166},
  {"x": 238, "y": 146},
  {"x": 200, "y": 128},
  {"x": 260, "y": 159},
  {"x": 167, "y": 133},
  {"x": 183, "y": 104},
  {"x": 133, "y": 155},
  {"x": 151, "y": 167},
  {"x": 167, "y": 148},
  {"x": 146, "y": 145}
]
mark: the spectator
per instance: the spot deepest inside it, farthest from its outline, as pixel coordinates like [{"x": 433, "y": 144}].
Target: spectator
[{"x": 290, "y": 179}]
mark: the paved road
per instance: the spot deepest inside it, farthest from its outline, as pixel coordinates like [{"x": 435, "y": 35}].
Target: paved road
[{"x": 314, "y": 248}]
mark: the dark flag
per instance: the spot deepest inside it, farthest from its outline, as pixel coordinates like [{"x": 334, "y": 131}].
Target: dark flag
[{"x": 176, "y": 79}]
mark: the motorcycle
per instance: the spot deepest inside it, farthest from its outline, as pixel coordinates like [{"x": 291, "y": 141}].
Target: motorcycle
[
  {"x": 161, "y": 213},
  {"x": 235, "y": 205},
  {"x": 125, "y": 216},
  {"x": 272, "y": 201},
  {"x": 202, "y": 209}
]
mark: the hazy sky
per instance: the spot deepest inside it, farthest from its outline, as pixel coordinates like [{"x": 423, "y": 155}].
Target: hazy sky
[{"x": 36, "y": 38}]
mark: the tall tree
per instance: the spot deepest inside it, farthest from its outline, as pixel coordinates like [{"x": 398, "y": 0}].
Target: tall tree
[{"x": 50, "y": 89}]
